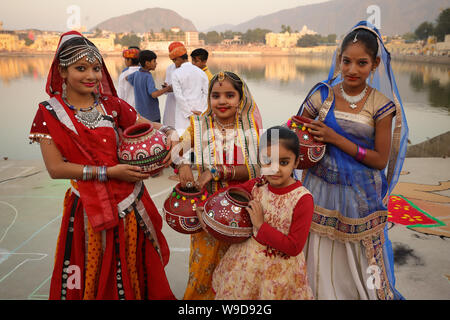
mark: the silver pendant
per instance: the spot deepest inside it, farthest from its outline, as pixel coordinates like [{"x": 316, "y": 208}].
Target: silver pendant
[
  {"x": 90, "y": 118},
  {"x": 353, "y": 106}
]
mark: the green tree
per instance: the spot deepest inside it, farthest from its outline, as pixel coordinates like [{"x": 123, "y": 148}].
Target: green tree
[
  {"x": 255, "y": 35},
  {"x": 98, "y": 32},
  {"x": 442, "y": 25},
  {"x": 424, "y": 30},
  {"x": 285, "y": 29},
  {"x": 309, "y": 40},
  {"x": 409, "y": 37},
  {"x": 129, "y": 40},
  {"x": 213, "y": 37},
  {"x": 331, "y": 38},
  {"x": 228, "y": 34}
]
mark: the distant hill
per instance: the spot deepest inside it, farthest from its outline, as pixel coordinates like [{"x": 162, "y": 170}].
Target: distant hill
[
  {"x": 338, "y": 16},
  {"x": 145, "y": 20},
  {"x": 221, "y": 28}
]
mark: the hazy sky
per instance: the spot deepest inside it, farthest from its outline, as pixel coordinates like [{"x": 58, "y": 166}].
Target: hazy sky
[{"x": 53, "y": 15}]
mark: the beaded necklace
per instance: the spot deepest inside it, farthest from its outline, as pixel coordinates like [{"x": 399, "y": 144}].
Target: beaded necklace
[{"x": 90, "y": 116}]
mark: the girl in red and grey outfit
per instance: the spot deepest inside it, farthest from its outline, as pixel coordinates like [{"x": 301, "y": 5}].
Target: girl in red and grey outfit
[{"x": 110, "y": 244}]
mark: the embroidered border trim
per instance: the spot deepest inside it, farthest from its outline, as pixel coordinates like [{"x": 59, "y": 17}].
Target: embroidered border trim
[
  {"x": 334, "y": 225},
  {"x": 374, "y": 254}
]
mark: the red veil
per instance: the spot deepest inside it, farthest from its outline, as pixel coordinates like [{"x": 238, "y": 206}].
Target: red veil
[
  {"x": 54, "y": 79},
  {"x": 101, "y": 201}
]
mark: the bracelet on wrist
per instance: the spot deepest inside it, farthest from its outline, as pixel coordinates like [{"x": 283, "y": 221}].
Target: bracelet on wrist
[
  {"x": 165, "y": 129},
  {"x": 360, "y": 153},
  {"x": 92, "y": 172}
]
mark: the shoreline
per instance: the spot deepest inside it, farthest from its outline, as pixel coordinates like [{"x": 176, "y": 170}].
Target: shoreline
[{"x": 220, "y": 52}]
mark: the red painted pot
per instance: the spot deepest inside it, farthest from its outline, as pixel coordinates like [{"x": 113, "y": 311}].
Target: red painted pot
[
  {"x": 179, "y": 209},
  {"x": 226, "y": 217},
  {"x": 142, "y": 145},
  {"x": 311, "y": 151}
]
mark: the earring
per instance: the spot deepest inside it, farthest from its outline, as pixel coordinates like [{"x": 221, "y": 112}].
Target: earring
[
  {"x": 372, "y": 74},
  {"x": 99, "y": 91},
  {"x": 64, "y": 90}
]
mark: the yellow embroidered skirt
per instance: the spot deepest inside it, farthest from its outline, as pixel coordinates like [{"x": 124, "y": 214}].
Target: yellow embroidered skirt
[{"x": 205, "y": 255}]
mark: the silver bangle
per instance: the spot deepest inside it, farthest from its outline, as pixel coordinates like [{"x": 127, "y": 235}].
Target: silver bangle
[
  {"x": 88, "y": 173},
  {"x": 101, "y": 174}
]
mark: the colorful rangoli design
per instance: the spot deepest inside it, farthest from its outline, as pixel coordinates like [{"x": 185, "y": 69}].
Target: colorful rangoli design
[{"x": 403, "y": 211}]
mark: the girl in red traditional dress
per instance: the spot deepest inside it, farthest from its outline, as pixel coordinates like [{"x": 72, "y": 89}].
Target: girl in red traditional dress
[
  {"x": 110, "y": 244},
  {"x": 271, "y": 264}
]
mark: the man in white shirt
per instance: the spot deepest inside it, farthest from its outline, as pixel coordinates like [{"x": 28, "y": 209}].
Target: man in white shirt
[
  {"x": 190, "y": 87},
  {"x": 169, "y": 110},
  {"x": 125, "y": 90}
]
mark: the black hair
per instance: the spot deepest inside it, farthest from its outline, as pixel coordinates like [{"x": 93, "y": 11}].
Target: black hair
[
  {"x": 366, "y": 37},
  {"x": 200, "y": 53},
  {"x": 76, "y": 41},
  {"x": 234, "y": 79},
  {"x": 184, "y": 56},
  {"x": 287, "y": 138},
  {"x": 146, "y": 55}
]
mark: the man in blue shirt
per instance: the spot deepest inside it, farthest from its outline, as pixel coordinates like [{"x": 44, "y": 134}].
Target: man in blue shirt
[{"x": 145, "y": 92}]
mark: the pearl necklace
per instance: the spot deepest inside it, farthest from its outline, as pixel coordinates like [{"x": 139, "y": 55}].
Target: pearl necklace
[{"x": 353, "y": 100}]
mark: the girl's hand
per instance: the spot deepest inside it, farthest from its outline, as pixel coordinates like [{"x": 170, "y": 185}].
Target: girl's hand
[
  {"x": 256, "y": 213},
  {"x": 322, "y": 132},
  {"x": 204, "y": 178},
  {"x": 126, "y": 172},
  {"x": 170, "y": 144},
  {"x": 185, "y": 175}
]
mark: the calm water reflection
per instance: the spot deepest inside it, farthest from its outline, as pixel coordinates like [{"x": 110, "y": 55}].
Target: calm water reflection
[{"x": 278, "y": 84}]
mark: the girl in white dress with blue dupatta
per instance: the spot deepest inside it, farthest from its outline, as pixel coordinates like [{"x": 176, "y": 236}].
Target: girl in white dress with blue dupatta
[{"x": 359, "y": 115}]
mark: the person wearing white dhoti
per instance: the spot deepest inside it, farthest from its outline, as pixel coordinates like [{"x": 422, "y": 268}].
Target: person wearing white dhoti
[
  {"x": 190, "y": 87},
  {"x": 169, "y": 110}
]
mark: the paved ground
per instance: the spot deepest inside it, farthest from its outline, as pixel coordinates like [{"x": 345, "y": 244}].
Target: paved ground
[{"x": 30, "y": 214}]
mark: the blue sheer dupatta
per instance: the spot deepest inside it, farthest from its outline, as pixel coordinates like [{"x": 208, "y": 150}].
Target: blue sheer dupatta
[{"x": 357, "y": 192}]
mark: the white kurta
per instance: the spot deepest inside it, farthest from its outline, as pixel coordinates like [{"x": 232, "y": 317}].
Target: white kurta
[
  {"x": 169, "y": 110},
  {"x": 125, "y": 90},
  {"x": 190, "y": 87}
]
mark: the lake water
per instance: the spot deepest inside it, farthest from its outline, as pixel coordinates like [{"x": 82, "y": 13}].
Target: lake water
[{"x": 278, "y": 85}]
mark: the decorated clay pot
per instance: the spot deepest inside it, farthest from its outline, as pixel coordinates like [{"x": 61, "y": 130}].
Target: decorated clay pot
[
  {"x": 179, "y": 209},
  {"x": 226, "y": 217},
  {"x": 311, "y": 151},
  {"x": 143, "y": 146}
]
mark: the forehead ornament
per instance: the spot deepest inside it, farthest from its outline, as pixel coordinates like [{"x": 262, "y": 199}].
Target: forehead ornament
[
  {"x": 221, "y": 78},
  {"x": 73, "y": 54}
]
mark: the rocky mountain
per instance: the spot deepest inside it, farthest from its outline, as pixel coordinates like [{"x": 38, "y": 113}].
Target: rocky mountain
[
  {"x": 338, "y": 16},
  {"x": 145, "y": 20}
]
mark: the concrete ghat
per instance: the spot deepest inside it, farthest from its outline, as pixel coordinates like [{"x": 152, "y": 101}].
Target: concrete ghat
[{"x": 30, "y": 214}]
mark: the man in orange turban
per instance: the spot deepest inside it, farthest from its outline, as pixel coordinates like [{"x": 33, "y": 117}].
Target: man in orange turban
[
  {"x": 176, "y": 49},
  {"x": 190, "y": 88}
]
